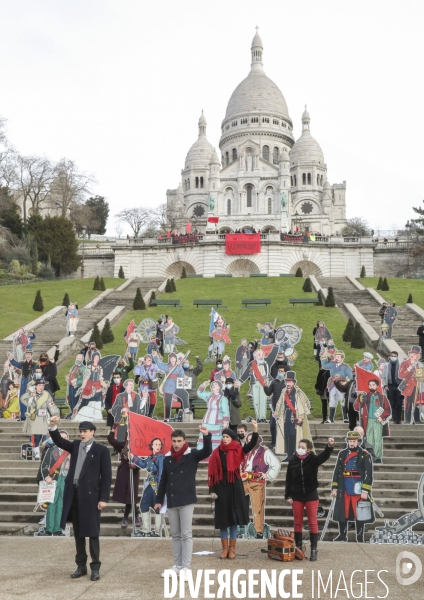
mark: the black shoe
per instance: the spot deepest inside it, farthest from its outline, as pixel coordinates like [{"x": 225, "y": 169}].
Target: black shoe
[
  {"x": 314, "y": 543},
  {"x": 80, "y": 572},
  {"x": 259, "y": 536},
  {"x": 95, "y": 575}
]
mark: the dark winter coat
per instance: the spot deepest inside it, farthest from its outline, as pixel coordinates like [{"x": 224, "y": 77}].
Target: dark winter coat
[
  {"x": 178, "y": 479},
  {"x": 234, "y": 403},
  {"x": 231, "y": 496},
  {"x": 302, "y": 475},
  {"x": 276, "y": 366},
  {"x": 364, "y": 469},
  {"x": 50, "y": 374},
  {"x": 274, "y": 389},
  {"x": 420, "y": 333},
  {"x": 122, "y": 489},
  {"x": 93, "y": 486},
  {"x": 108, "y": 402},
  {"x": 321, "y": 382}
]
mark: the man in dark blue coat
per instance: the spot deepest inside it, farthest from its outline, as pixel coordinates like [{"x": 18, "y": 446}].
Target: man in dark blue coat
[{"x": 87, "y": 491}]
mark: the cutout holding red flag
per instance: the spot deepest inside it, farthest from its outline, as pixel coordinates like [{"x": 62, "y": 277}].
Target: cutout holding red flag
[
  {"x": 142, "y": 430},
  {"x": 363, "y": 378}
]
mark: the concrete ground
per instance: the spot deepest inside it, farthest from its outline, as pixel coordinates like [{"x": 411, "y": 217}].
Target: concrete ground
[{"x": 40, "y": 568}]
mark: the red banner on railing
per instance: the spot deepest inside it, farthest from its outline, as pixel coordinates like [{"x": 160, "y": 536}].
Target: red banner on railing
[{"x": 242, "y": 243}]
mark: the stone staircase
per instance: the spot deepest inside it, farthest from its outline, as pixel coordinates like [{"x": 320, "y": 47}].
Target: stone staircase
[
  {"x": 127, "y": 295},
  {"x": 394, "y": 490},
  {"x": 345, "y": 291},
  {"x": 404, "y": 329}
]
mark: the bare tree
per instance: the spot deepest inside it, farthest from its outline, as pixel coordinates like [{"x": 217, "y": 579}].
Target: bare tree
[
  {"x": 34, "y": 175},
  {"x": 118, "y": 228},
  {"x": 166, "y": 217},
  {"x": 136, "y": 218},
  {"x": 69, "y": 185},
  {"x": 81, "y": 216},
  {"x": 356, "y": 227}
]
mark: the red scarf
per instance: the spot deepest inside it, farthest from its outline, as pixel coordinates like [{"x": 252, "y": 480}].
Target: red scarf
[
  {"x": 177, "y": 454},
  {"x": 235, "y": 456}
]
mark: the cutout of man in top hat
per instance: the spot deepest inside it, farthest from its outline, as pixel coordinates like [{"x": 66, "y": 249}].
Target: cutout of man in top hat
[
  {"x": 352, "y": 483},
  {"x": 242, "y": 357},
  {"x": 412, "y": 386},
  {"x": 128, "y": 401},
  {"x": 291, "y": 415}
]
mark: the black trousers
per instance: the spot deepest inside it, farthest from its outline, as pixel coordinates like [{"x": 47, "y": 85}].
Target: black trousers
[
  {"x": 182, "y": 395},
  {"x": 395, "y": 399},
  {"x": 324, "y": 403},
  {"x": 81, "y": 555},
  {"x": 352, "y": 415}
]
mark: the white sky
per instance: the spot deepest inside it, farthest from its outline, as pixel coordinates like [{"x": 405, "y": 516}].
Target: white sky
[{"x": 118, "y": 85}]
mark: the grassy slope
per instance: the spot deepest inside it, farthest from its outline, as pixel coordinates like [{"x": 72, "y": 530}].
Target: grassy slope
[
  {"x": 16, "y": 300},
  {"x": 194, "y": 323},
  {"x": 399, "y": 289}
]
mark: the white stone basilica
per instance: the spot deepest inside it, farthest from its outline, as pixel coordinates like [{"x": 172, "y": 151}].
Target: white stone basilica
[{"x": 264, "y": 178}]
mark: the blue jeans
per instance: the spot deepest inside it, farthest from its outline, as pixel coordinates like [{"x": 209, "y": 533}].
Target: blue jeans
[{"x": 233, "y": 532}]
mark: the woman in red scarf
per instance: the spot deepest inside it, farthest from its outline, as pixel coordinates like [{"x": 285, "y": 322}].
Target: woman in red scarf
[{"x": 226, "y": 487}]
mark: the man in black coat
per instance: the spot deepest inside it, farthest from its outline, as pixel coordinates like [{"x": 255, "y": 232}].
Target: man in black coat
[
  {"x": 115, "y": 388},
  {"x": 274, "y": 390},
  {"x": 87, "y": 491},
  {"x": 178, "y": 482}
]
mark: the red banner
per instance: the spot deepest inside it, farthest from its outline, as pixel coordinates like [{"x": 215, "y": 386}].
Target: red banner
[
  {"x": 213, "y": 219},
  {"x": 242, "y": 243},
  {"x": 363, "y": 377},
  {"x": 143, "y": 430}
]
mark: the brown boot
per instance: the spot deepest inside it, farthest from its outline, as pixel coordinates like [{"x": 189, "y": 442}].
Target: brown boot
[
  {"x": 224, "y": 553},
  {"x": 232, "y": 549}
]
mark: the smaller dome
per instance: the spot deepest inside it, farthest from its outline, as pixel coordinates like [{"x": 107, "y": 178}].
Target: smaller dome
[
  {"x": 202, "y": 120},
  {"x": 305, "y": 115},
  {"x": 306, "y": 149},
  {"x": 201, "y": 151},
  {"x": 214, "y": 158},
  {"x": 257, "y": 41}
]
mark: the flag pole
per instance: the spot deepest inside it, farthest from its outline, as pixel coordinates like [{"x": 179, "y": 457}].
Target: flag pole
[{"x": 131, "y": 480}]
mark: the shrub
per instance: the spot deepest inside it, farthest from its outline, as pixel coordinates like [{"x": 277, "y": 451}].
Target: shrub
[
  {"x": 102, "y": 285},
  {"x": 385, "y": 286},
  {"x": 348, "y": 332},
  {"x": 183, "y": 273},
  {"x": 96, "y": 285},
  {"x": 107, "y": 333},
  {"x": 168, "y": 287},
  {"x": 363, "y": 272},
  {"x": 358, "y": 340},
  {"x": 330, "y": 301},
  {"x": 38, "y": 302},
  {"x": 121, "y": 274},
  {"x": 174, "y": 287},
  {"x": 320, "y": 298},
  {"x": 96, "y": 336},
  {"x": 409, "y": 301},
  {"x": 380, "y": 283},
  {"x": 66, "y": 302},
  {"x": 299, "y": 272},
  {"x": 139, "y": 303},
  {"x": 307, "y": 286},
  {"x": 46, "y": 272}
]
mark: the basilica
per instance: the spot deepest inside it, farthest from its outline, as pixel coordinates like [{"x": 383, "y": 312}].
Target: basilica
[{"x": 263, "y": 177}]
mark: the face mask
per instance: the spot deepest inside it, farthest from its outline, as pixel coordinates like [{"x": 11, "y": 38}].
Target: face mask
[
  {"x": 228, "y": 386},
  {"x": 393, "y": 358},
  {"x": 241, "y": 436},
  {"x": 38, "y": 376},
  {"x": 219, "y": 366},
  {"x": 117, "y": 381},
  {"x": 186, "y": 367},
  {"x": 280, "y": 376},
  {"x": 301, "y": 451}
]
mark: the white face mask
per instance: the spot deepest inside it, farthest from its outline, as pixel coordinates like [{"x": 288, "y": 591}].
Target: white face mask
[{"x": 301, "y": 451}]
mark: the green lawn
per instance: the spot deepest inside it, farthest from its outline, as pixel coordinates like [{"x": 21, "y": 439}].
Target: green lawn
[
  {"x": 399, "y": 289},
  {"x": 194, "y": 323},
  {"x": 16, "y": 300}
]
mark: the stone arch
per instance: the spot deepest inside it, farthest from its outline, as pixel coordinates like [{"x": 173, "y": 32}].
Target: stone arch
[
  {"x": 242, "y": 267},
  {"x": 175, "y": 269},
  {"x": 269, "y": 229},
  {"x": 308, "y": 268}
]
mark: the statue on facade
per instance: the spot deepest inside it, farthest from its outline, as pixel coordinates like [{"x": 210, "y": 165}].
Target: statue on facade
[
  {"x": 211, "y": 203},
  {"x": 283, "y": 200},
  {"x": 248, "y": 162}
]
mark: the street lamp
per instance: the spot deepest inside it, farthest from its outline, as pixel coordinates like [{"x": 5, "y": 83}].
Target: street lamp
[
  {"x": 83, "y": 229},
  {"x": 408, "y": 266}
]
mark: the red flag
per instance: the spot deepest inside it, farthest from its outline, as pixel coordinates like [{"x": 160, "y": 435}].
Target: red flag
[
  {"x": 188, "y": 227},
  {"x": 363, "y": 377},
  {"x": 142, "y": 430},
  {"x": 168, "y": 233},
  {"x": 213, "y": 219},
  {"x": 130, "y": 329}
]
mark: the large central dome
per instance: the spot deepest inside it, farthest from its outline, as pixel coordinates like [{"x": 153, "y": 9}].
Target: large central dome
[{"x": 257, "y": 92}]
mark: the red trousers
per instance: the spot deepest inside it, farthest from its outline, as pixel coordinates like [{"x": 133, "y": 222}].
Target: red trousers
[
  {"x": 152, "y": 398},
  {"x": 311, "y": 513}
]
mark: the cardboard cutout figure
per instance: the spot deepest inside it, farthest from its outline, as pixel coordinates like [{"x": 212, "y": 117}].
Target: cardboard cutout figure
[
  {"x": 218, "y": 334},
  {"x": 291, "y": 415},
  {"x": 339, "y": 371},
  {"x": 374, "y": 410},
  {"x": 401, "y": 530},
  {"x": 226, "y": 371},
  {"x": 366, "y": 362},
  {"x": 92, "y": 392},
  {"x": 27, "y": 368},
  {"x": 74, "y": 381},
  {"x": 170, "y": 339},
  {"x": 147, "y": 330},
  {"x": 322, "y": 334},
  {"x": 11, "y": 408},
  {"x": 268, "y": 332},
  {"x": 20, "y": 343},
  {"x": 287, "y": 336},
  {"x": 258, "y": 372},
  {"x": 351, "y": 488},
  {"x": 259, "y": 467},
  {"x": 55, "y": 467},
  {"x": 39, "y": 408},
  {"x": 217, "y": 416},
  {"x": 91, "y": 350},
  {"x": 390, "y": 316},
  {"x": 242, "y": 357},
  {"x": 72, "y": 319},
  {"x": 411, "y": 371},
  {"x": 146, "y": 376},
  {"x": 168, "y": 388},
  {"x": 126, "y": 402},
  {"x": 133, "y": 338}
]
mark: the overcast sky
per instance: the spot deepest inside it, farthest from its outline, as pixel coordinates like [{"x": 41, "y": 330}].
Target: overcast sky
[{"x": 118, "y": 86}]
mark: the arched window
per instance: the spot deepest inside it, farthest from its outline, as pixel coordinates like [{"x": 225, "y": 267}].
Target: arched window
[
  {"x": 303, "y": 178},
  {"x": 227, "y": 159},
  {"x": 269, "y": 206},
  {"x": 188, "y": 184},
  {"x": 201, "y": 182},
  {"x": 309, "y": 179},
  {"x": 291, "y": 180},
  {"x": 249, "y": 194},
  {"x": 275, "y": 155},
  {"x": 197, "y": 182},
  {"x": 234, "y": 153},
  {"x": 265, "y": 153},
  {"x": 295, "y": 180},
  {"x": 318, "y": 179},
  {"x": 228, "y": 206},
  {"x": 322, "y": 179}
]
